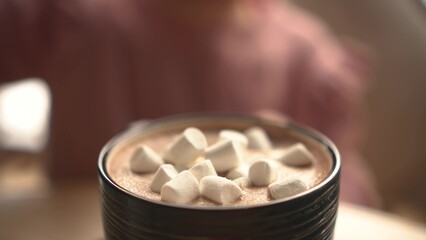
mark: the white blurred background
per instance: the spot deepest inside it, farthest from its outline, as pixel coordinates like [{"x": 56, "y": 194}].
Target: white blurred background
[{"x": 24, "y": 131}]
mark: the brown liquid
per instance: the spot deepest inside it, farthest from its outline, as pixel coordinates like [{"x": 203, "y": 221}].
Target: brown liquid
[{"x": 119, "y": 170}]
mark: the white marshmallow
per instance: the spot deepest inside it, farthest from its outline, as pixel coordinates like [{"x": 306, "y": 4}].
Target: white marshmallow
[
  {"x": 287, "y": 187},
  {"x": 220, "y": 189},
  {"x": 186, "y": 148},
  {"x": 225, "y": 155},
  {"x": 241, "y": 171},
  {"x": 297, "y": 155},
  {"x": 144, "y": 159},
  {"x": 243, "y": 182},
  {"x": 263, "y": 172},
  {"x": 164, "y": 174},
  {"x": 258, "y": 139},
  {"x": 233, "y": 135},
  {"x": 183, "y": 188},
  {"x": 203, "y": 169}
]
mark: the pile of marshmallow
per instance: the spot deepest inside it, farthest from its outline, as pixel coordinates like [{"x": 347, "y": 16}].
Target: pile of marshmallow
[{"x": 198, "y": 165}]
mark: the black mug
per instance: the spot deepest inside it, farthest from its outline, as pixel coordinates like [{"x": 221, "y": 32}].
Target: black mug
[{"x": 308, "y": 215}]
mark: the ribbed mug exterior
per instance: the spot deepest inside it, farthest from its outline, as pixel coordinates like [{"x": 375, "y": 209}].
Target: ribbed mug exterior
[{"x": 311, "y": 215}]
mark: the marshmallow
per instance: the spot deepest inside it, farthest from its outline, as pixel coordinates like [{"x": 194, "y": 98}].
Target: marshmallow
[
  {"x": 220, "y": 189},
  {"x": 286, "y": 188},
  {"x": 183, "y": 188},
  {"x": 241, "y": 171},
  {"x": 234, "y": 136},
  {"x": 225, "y": 155},
  {"x": 263, "y": 172},
  {"x": 258, "y": 139},
  {"x": 243, "y": 182},
  {"x": 164, "y": 174},
  {"x": 186, "y": 148},
  {"x": 144, "y": 159},
  {"x": 297, "y": 155},
  {"x": 202, "y": 169}
]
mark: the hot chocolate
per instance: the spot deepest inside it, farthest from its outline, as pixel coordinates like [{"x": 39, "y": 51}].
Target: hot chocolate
[{"x": 118, "y": 166}]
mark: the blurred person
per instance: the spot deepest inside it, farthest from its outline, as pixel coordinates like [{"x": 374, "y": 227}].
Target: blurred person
[{"x": 109, "y": 63}]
